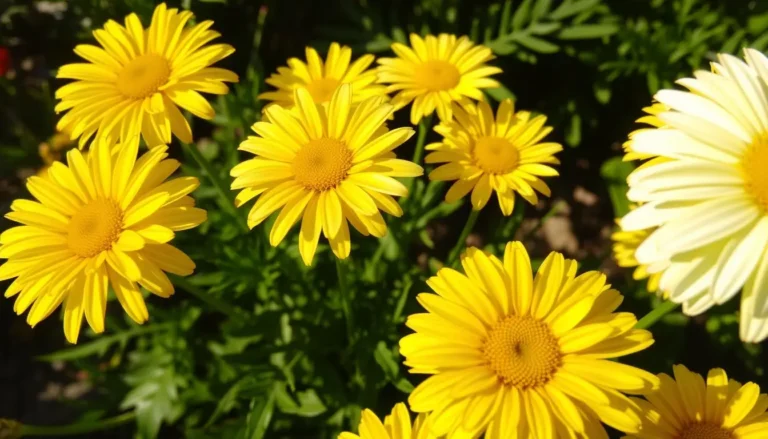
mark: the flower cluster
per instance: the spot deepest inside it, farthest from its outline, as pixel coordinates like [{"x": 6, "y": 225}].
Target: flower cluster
[{"x": 507, "y": 352}]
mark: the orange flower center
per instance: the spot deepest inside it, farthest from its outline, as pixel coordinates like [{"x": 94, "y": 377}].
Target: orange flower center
[
  {"x": 754, "y": 169},
  {"x": 322, "y": 164},
  {"x": 322, "y": 89},
  {"x": 495, "y": 155},
  {"x": 437, "y": 75},
  {"x": 141, "y": 77},
  {"x": 522, "y": 352},
  {"x": 95, "y": 228},
  {"x": 704, "y": 430}
]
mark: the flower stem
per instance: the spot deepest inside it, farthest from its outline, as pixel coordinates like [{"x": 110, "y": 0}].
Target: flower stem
[
  {"x": 656, "y": 314},
  {"x": 220, "y": 186},
  {"x": 461, "y": 243},
  {"x": 79, "y": 428},
  {"x": 424, "y": 126},
  {"x": 341, "y": 273}
]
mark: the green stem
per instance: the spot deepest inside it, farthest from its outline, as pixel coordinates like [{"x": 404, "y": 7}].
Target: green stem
[
  {"x": 221, "y": 187},
  {"x": 424, "y": 127},
  {"x": 341, "y": 273},
  {"x": 81, "y": 428},
  {"x": 460, "y": 244},
  {"x": 233, "y": 312},
  {"x": 656, "y": 314}
]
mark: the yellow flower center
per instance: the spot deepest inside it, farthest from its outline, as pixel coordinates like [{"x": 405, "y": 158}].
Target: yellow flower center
[
  {"x": 437, "y": 75},
  {"x": 322, "y": 164},
  {"x": 95, "y": 227},
  {"x": 495, "y": 155},
  {"x": 704, "y": 430},
  {"x": 322, "y": 89},
  {"x": 142, "y": 76},
  {"x": 522, "y": 352},
  {"x": 754, "y": 167}
]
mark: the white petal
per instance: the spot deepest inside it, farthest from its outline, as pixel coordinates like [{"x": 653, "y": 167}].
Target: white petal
[
  {"x": 725, "y": 91},
  {"x": 752, "y": 329},
  {"x": 752, "y": 90},
  {"x": 653, "y": 214},
  {"x": 691, "y": 277},
  {"x": 683, "y": 174},
  {"x": 758, "y": 283},
  {"x": 690, "y": 141},
  {"x": 698, "y": 304},
  {"x": 699, "y": 106},
  {"x": 738, "y": 260}
]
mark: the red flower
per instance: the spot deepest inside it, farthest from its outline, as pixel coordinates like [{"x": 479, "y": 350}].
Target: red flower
[{"x": 5, "y": 60}]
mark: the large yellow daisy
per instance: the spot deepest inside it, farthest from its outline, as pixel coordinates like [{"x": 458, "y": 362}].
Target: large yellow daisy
[
  {"x": 136, "y": 82},
  {"x": 397, "y": 425},
  {"x": 435, "y": 71},
  {"x": 322, "y": 79},
  {"x": 687, "y": 407},
  {"x": 521, "y": 357},
  {"x": 709, "y": 196},
  {"x": 326, "y": 164},
  {"x": 484, "y": 154},
  {"x": 624, "y": 247},
  {"x": 99, "y": 221}
]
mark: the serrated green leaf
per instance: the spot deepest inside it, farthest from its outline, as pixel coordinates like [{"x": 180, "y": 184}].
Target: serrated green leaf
[
  {"x": 536, "y": 44},
  {"x": 569, "y": 8},
  {"x": 587, "y": 31},
  {"x": 522, "y": 15}
]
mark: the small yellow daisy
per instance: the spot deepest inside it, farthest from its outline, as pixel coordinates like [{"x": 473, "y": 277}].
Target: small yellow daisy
[
  {"x": 485, "y": 154},
  {"x": 328, "y": 164},
  {"x": 322, "y": 79},
  {"x": 99, "y": 221},
  {"x": 517, "y": 356},
  {"x": 52, "y": 150},
  {"x": 687, "y": 407},
  {"x": 397, "y": 425},
  {"x": 435, "y": 71},
  {"x": 136, "y": 82},
  {"x": 624, "y": 246},
  {"x": 651, "y": 118}
]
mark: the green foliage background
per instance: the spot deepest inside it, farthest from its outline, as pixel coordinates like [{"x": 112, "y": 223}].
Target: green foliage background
[{"x": 254, "y": 344}]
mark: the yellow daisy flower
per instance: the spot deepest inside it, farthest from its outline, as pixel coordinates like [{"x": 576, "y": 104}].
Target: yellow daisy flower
[
  {"x": 651, "y": 118},
  {"x": 397, "y": 425},
  {"x": 139, "y": 79},
  {"x": 322, "y": 79},
  {"x": 435, "y": 71},
  {"x": 99, "y": 221},
  {"x": 687, "y": 407},
  {"x": 484, "y": 154},
  {"x": 708, "y": 199},
  {"x": 517, "y": 356},
  {"x": 624, "y": 246},
  {"x": 51, "y": 151},
  {"x": 327, "y": 164}
]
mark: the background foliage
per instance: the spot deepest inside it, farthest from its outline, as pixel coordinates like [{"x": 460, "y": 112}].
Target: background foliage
[{"x": 254, "y": 344}]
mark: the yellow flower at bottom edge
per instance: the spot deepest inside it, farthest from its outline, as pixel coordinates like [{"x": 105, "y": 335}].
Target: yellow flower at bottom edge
[
  {"x": 397, "y": 425},
  {"x": 483, "y": 154},
  {"x": 624, "y": 247},
  {"x": 322, "y": 79},
  {"x": 136, "y": 82},
  {"x": 521, "y": 357},
  {"x": 99, "y": 221},
  {"x": 329, "y": 165},
  {"x": 687, "y": 407},
  {"x": 436, "y": 71}
]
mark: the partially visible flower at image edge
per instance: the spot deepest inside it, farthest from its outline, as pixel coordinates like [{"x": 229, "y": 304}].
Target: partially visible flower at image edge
[
  {"x": 135, "y": 83},
  {"x": 688, "y": 407},
  {"x": 330, "y": 166},
  {"x": 485, "y": 154},
  {"x": 518, "y": 356},
  {"x": 322, "y": 78},
  {"x": 102, "y": 220},
  {"x": 436, "y": 71},
  {"x": 9, "y": 429},
  {"x": 706, "y": 192},
  {"x": 396, "y": 425}
]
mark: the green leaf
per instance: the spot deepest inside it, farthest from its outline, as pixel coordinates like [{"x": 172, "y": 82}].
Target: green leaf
[
  {"x": 308, "y": 406},
  {"x": 569, "y": 8},
  {"x": 543, "y": 28},
  {"x": 521, "y": 15},
  {"x": 259, "y": 417},
  {"x": 540, "y": 9},
  {"x": 615, "y": 171},
  {"x": 386, "y": 359},
  {"x": 99, "y": 346},
  {"x": 500, "y": 93},
  {"x": 587, "y": 31},
  {"x": 506, "y": 14},
  {"x": 536, "y": 44}
]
